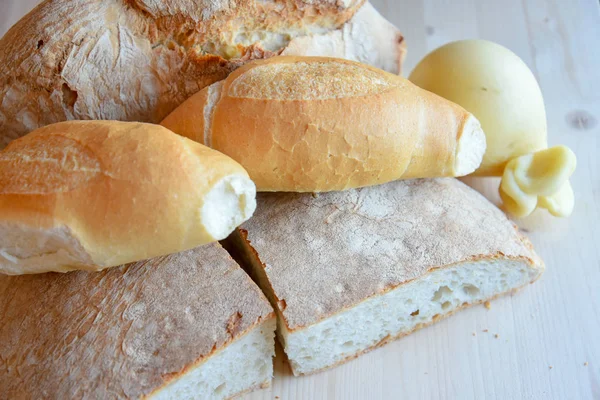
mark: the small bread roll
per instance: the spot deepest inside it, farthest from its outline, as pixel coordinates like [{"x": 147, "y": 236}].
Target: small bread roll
[
  {"x": 316, "y": 124},
  {"x": 92, "y": 195}
]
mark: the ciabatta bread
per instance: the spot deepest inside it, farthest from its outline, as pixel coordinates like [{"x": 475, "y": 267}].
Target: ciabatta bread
[
  {"x": 91, "y": 195},
  {"x": 351, "y": 271},
  {"x": 313, "y": 124},
  {"x": 186, "y": 326},
  {"x": 136, "y": 60}
]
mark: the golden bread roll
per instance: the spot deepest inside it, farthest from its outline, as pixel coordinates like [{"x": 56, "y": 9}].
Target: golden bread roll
[
  {"x": 91, "y": 195},
  {"x": 313, "y": 124}
]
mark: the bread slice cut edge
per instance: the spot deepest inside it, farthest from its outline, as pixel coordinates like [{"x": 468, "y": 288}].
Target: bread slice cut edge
[
  {"x": 390, "y": 314},
  {"x": 244, "y": 365}
]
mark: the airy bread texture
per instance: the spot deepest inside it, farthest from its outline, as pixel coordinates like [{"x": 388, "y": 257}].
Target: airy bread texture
[
  {"x": 350, "y": 271},
  {"x": 191, "y": 325},
  {"x": 243, "y": 366},
  {"x": 91, "y": 195},
  {"x": 136, "y": 60},
  {"x": 314, "y": 124}
]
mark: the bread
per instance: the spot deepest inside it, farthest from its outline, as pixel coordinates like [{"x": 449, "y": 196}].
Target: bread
[
  {"x": 136, "y": 60},
  {"x": 367, "y": 38},
  {"x": 91, "y": 195},
  {"x": 188, "y": 325},
  {"x": 350, "y": 271},
  {"x": 312, "y": 124}
]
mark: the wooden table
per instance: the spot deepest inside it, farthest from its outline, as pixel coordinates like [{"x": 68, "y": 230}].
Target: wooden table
[{"x": 544, "y": 342}]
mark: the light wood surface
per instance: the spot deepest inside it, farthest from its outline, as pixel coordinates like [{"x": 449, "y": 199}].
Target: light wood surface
[{"x": 538, "y": 341}]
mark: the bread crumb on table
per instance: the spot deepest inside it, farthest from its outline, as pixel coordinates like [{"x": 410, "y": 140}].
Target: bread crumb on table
[
  {"x": 486, "y": 330},
  {"x": 474, "y": 334},
  {"x": 487, "y": 305},
  {"x": 496, "y": 336},
  {"x": 550, "y": 367},
  {"x": 585, "y": 364}
]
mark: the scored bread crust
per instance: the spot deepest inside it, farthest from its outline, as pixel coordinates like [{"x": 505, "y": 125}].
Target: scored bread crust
[
  {"x": 315, "y": 124},
  {"x": 121, "y": 191},
  {"x": 412, "y": 227},
  {"x": 125, "y": 332},
  {"x": 136, "y": 60}
]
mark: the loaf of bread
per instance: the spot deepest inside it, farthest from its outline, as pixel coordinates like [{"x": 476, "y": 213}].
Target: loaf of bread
[
  {"x": 350, "y": 271},
  {"x": 91, "y": 195},
  {"x": 313, "y": 124},
  {"x": 136, "y": 60},
  {"x": 186, "y": 326}
]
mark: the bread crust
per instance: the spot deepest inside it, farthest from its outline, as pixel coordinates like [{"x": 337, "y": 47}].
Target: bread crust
[
  {"x": 125, "y": 332},
  {"x": 367, "y": 38},
  {"x": 136, "y": 60},
  {"x": 372, "y": 240},
  {"x": 123, "y": 191},
  {"x": 264, "y": 385}
]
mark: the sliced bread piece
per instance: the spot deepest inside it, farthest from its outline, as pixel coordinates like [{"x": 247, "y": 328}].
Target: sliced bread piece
[
  {"x": 350, "y": 271},
  {"x": 190, "y": 325}
]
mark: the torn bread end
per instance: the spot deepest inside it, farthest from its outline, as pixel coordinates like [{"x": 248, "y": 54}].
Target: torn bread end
[
  {"x": 230, "y": 202},
  {"x": 470, "y": 149}
]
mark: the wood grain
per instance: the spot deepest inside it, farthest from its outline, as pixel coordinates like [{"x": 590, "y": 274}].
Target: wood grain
[{"x": 547, "y": 332}]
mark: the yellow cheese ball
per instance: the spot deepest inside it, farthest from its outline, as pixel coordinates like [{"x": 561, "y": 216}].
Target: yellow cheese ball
[{"x": 496, "y": 86}]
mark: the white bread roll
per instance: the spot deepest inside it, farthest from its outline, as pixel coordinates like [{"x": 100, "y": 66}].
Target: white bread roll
[
  {"x": 350, "y": 271},
  {"x": 312, "y": 124},
  {"x": 186, "y": 326},
  {"x": 136, "y": 60},
  {"x": 91, "y": 195}
]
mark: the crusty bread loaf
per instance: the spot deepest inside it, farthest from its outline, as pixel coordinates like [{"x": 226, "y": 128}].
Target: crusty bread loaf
[
  {"x": 136, "y": 60},
  {"x": 313, "y": 124},
  {"x": 91, "y": 195},
  {"x": 367, "y": 38},
  {"x": 188, "y": 325},
  {"x": 350, "y": 271}
]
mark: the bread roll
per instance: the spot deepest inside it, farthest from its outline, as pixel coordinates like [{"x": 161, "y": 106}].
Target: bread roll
[
  {"x": 350, "y": 271},
  {"x": 319, "y": 124},
  {"x": 91, "y": 195},
  {"x": 136, "y": 60},
  {"x": 186, "y": 326}
]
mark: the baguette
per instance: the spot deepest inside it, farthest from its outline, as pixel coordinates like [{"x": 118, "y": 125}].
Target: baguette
[
  {"x": 319, "y": 124},
  {"x": 350, "y": 271},
  {"x": 186, "y": 326},
  {"x": 136, "y": 60},
  {"x": 91, "y": 195}
]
